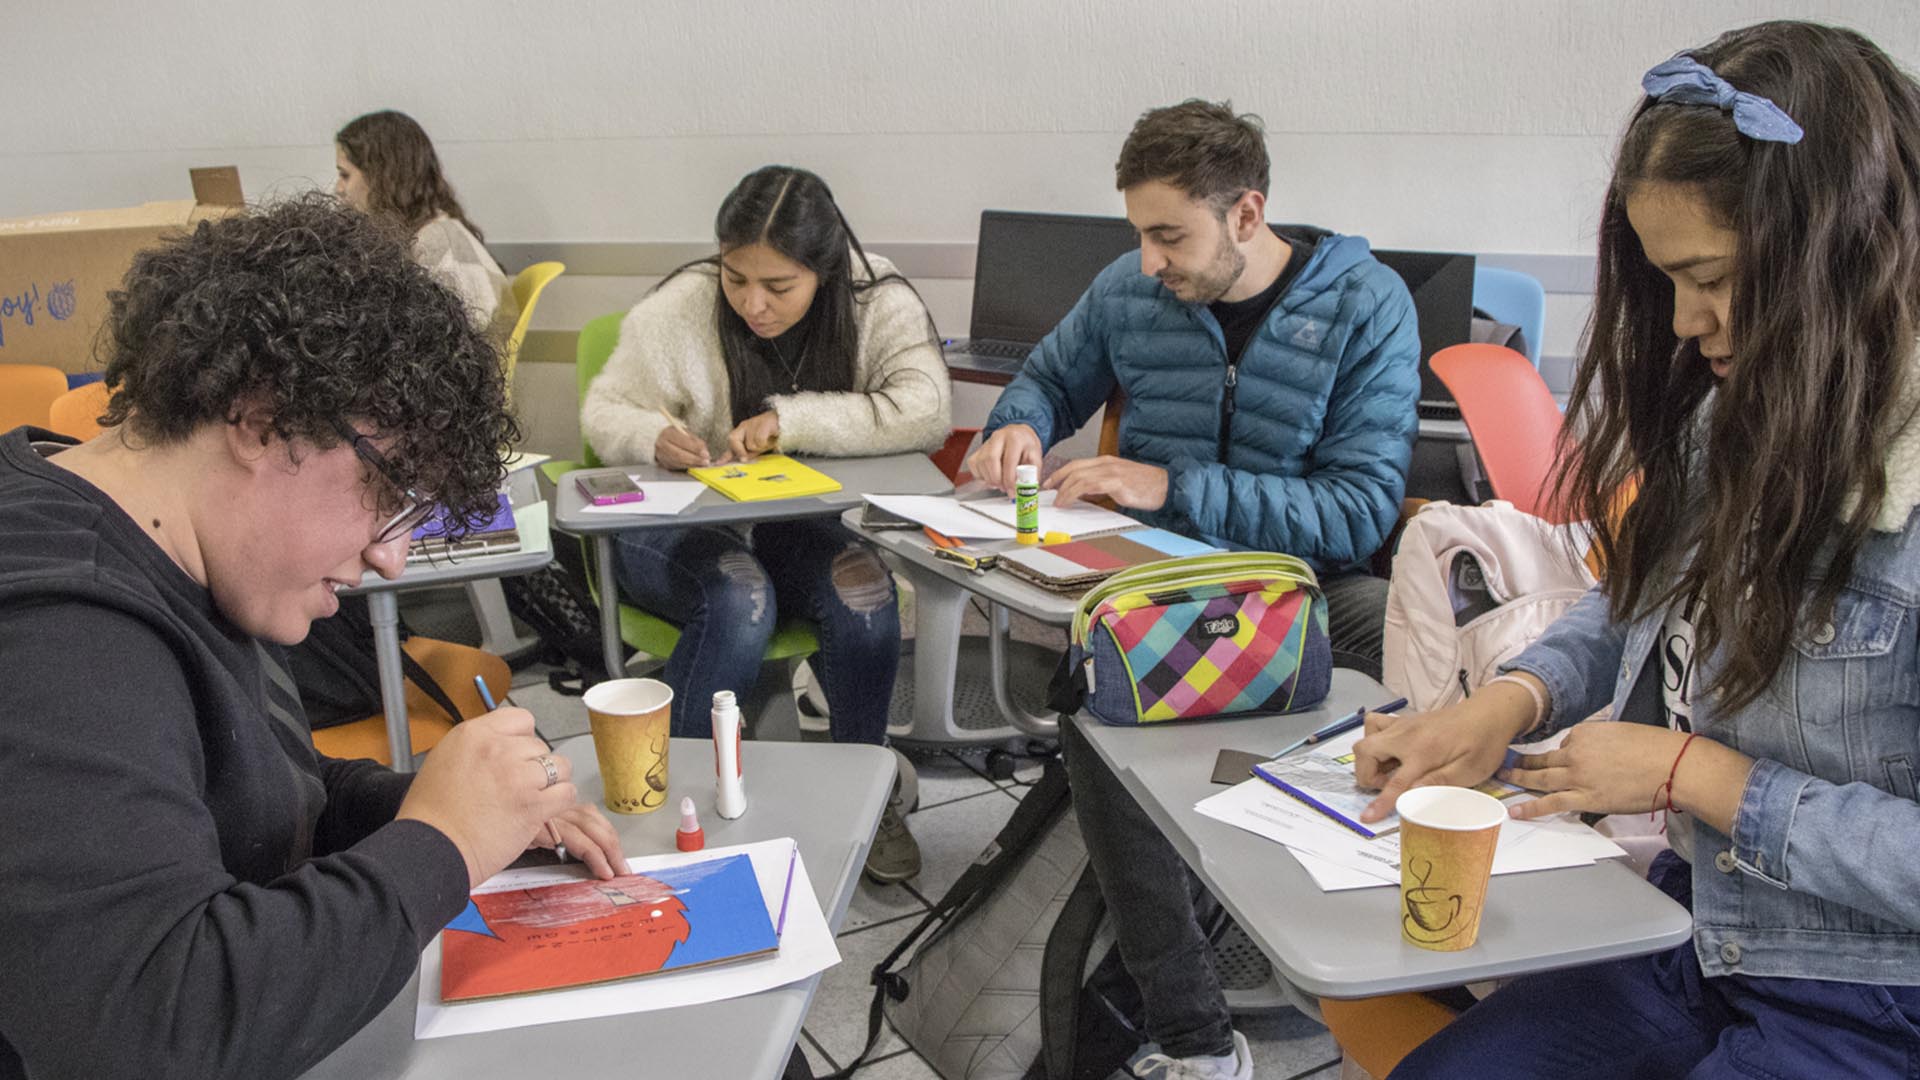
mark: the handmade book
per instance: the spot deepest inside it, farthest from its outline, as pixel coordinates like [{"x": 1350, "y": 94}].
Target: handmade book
[
  {"x": 1075, "y": 522},
  {"x": 576, "y": 933},
  {"x": 770, "y": 476},
  {"x": 1072, "y": 566},
  {"x": 497, "y": 534}
]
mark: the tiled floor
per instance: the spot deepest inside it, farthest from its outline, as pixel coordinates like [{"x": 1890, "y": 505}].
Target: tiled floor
[{"x": 961, "y": 809}]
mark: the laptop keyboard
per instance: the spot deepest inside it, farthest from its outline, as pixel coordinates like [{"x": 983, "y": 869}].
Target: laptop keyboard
[{"x": 1005, "y": 350}]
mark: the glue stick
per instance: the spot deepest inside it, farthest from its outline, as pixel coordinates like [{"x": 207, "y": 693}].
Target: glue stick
[
  {"x": 1026, "y": 503},
  {"x": 730, "y": 793}
]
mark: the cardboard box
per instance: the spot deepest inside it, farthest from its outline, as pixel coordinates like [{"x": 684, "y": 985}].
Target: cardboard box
[{"x": 56, "y": 269}]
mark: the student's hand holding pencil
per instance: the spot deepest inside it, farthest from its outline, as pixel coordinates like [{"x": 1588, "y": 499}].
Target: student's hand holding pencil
[{"x": 677, "y": 448}]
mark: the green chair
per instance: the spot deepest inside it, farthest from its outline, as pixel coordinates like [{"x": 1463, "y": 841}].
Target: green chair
[{"x": 770, "y": 702}]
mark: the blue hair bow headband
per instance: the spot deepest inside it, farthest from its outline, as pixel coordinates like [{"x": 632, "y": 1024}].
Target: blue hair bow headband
[{"x": 1686, "y": 81}]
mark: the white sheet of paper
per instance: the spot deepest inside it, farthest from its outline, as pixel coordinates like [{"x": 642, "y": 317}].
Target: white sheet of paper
[
  {"x": 1265, "y": 810},
  {"x": 663, "y": 497},
  {"x": 943, "y": 514},
  {"x": 1075, "y": 521},
  {"x": 806, "y": 947}
]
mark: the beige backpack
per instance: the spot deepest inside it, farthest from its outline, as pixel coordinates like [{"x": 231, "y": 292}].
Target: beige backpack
[{"x": 1471, "y": 587}]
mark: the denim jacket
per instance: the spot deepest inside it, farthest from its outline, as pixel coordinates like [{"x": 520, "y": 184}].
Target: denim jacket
[{"x": 1820, "y": 878}]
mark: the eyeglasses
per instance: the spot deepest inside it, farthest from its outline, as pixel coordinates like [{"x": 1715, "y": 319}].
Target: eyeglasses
[{"x": 414, "y": 508}]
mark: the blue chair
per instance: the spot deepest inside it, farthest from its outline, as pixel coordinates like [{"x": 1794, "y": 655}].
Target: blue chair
[{"x": 1513, "y": 297}]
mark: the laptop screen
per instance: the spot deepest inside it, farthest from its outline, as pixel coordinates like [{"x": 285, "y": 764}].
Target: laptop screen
[
  {"x": 1442, "y": 287},
  {"x": 1030, "y": 268}
]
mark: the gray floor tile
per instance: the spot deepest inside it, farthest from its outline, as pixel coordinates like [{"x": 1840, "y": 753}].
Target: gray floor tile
[
  {"x": 952, "y": 835},
  {"x": 1287, "y": 1043},
  {"x": 838, "y": 1017},
  {"x": 907, "y": 1066},
  {"x": 944, "y": 777},
  {"x": 878, "y": 903}
]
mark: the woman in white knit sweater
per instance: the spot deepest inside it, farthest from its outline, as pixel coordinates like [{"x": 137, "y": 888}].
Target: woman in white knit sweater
[
  {"x": 386, "y": 167},
  {"x": 791, "y": 338}
]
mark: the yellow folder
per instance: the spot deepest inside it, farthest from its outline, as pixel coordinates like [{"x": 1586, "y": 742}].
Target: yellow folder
[{"x": 772, "y": 476}]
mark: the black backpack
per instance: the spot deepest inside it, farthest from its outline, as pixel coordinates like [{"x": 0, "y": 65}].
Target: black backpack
[
  {"x": 972, "y": 1020},
  {"x": 557, "y": 606},
  {"x": 338, "y": 672}
]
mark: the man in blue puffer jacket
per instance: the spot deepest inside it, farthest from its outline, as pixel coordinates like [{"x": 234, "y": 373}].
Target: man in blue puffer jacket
[{"x": 1271, "y": 377}]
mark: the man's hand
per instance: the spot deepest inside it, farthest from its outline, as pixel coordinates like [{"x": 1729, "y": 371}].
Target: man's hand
[
  {"x": 680, "y": 450},
  {"x": 1127, "y": 483},
  {"x": 754, "y": 436},
  {"x": 994, "y": 462}
]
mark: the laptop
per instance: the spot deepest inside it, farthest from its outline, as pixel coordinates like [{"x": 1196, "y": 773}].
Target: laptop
[
  {"x": 1442, "y": 287},
  {"x": 1028, "y": 271}
]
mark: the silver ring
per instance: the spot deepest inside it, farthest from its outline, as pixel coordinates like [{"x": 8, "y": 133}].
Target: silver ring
[{"x": 546, "y": 762}]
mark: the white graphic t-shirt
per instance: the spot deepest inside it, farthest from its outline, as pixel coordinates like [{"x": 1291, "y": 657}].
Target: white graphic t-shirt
[{"x": 1675, "y": 656}]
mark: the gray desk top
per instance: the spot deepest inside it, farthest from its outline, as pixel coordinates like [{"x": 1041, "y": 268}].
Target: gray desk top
[
  {"x": 1347, "y": 944},
  {"x": 912, "y": 545},
  {"x": 827, "y": 796},
  {"x": 893, "y": 474}
]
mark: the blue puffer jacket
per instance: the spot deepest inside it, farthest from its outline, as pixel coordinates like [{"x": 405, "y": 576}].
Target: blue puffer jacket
[{"x": 1318, "y": 418}]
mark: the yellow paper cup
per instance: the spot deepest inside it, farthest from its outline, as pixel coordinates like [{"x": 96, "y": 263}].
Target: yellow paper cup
[
  {"x": 632, "y": 719},
  {"x": 1447, "y": 837}
]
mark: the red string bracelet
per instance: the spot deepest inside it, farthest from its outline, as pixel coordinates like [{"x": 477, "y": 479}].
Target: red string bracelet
[{"x": 1668, "y": 786}]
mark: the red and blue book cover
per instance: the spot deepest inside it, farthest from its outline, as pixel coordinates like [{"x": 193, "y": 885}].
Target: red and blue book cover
[{"x": 576, "y": 933}]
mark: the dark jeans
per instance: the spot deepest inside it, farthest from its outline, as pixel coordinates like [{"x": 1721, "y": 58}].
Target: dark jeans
[
  {"x": 1156, "y": 903},
  {"x": 1659, "y": 1016},
  {"x": 726, "y": 593}
]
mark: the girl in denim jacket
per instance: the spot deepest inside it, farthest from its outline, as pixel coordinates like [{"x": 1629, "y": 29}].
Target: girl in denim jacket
[{"x": 1752, "y": 366}]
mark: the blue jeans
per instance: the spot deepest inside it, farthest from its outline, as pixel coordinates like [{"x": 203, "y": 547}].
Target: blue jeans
[
  {"x": 726, "y": 593},
  {"x": 1659, "y": 1016}
]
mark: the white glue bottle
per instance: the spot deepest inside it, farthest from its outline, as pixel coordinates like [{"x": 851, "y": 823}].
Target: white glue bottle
[{"x": 730, "y": 793}]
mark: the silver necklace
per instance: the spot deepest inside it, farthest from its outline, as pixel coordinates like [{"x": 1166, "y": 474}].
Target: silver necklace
[{"x": 792, "y": 370}]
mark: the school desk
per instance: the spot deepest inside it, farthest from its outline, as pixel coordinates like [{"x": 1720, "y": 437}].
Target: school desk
[
  {"x": 891, "y": 474},
  {"x": 826, "y": 796}
]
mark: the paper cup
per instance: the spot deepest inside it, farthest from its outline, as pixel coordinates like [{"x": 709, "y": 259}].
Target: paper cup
[
  {"x": 632, "y": 719},
  {"x": 1447, "y": 837}
]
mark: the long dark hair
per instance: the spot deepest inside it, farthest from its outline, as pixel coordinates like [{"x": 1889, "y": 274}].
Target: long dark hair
[
  {"x": 793, "y": 212},
  {"x": 403, "y": 173},
  {"x": 1772, "y": 490}
]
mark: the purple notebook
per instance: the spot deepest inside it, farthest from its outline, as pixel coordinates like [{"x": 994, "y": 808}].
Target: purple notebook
[{"x": 502, "y": 522}]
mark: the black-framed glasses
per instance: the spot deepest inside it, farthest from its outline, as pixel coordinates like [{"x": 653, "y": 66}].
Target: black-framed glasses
[{"x": 414, "y": 507}]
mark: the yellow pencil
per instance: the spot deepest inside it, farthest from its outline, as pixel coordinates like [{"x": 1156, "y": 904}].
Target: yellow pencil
[{"x": 672, "y": 419}]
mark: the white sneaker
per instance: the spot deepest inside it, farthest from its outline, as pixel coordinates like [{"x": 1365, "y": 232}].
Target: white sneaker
[{"x": 1235, "y": 1066}]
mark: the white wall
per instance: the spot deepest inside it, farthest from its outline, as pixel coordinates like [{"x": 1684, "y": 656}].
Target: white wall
[{"x": 1479, "y": 126}]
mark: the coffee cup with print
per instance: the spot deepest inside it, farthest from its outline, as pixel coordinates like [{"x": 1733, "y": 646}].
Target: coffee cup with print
[
  {"x": 1447, "y": 839},
  {"x": 632, "y": 721}
]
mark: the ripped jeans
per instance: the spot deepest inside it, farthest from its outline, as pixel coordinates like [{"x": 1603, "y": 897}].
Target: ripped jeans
[{"x": 726, "y": 592}]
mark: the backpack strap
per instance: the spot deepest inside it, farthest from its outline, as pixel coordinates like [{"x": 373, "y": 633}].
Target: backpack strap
[{"x": 1043, "y": 803}]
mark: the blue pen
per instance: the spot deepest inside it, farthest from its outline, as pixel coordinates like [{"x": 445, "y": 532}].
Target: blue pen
[
  {"x": 1342, "y": 725},
  {"x": 486, "y": 695}
]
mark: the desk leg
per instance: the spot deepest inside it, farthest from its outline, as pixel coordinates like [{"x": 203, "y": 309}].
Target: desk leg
[
  {"x": 383, "y": 609},
  {"x": 938, "y": 608},
  {"x": 1038, "y": 725},
  {"x": 609, "y": 605}
]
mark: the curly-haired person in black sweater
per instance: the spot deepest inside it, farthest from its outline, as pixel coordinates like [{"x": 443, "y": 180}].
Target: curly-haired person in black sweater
[{"x": 186, "y": 888}]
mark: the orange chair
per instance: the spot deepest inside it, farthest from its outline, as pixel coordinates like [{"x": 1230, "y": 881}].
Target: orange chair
[
  {"x": 27, "y": 391},
  {"x": 453, "y": 667},
  {"x": 1375, "y": 1033},
  {"x": 76, "y": 412},
  {"x": 1513, "y": 419}
]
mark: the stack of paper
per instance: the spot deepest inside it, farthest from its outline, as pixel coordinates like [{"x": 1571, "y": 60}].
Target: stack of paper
[{"x": 1339, "y": 858}]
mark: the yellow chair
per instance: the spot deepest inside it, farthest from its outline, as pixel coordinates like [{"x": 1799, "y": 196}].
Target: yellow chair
[
  {"x": 453, "y": 666},
  {"x": 27, "y": 393},
  {"x": 527, "y": 286},
  {"x": 76, "y": 412}
]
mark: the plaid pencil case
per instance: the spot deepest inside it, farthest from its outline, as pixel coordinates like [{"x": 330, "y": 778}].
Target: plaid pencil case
[{"x": 1203, "y": 636}]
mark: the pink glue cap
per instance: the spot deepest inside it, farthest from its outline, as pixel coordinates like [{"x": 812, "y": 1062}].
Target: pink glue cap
[{"x": 689, "y": 837}]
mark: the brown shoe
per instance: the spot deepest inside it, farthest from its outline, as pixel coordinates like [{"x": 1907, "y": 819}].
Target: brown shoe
[{"x": 895, "y": 855}]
